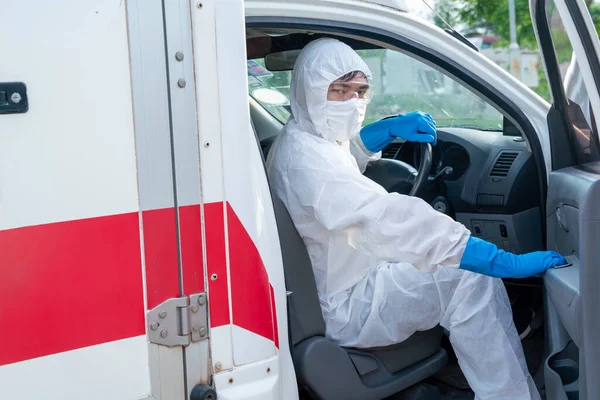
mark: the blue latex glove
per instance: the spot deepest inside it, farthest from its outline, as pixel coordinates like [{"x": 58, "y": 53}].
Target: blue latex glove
[
  {"x": 485, "y": 258},
  {"x": 413, "y": 127}
]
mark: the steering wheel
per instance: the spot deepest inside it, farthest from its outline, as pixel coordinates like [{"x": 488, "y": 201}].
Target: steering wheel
[
  {"x": 397, "y": 176},
  {"x": 424, "y": 168}
]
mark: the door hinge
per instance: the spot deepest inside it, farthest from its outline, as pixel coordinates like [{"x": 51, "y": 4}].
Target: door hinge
[{"x": 179, "y": 321}]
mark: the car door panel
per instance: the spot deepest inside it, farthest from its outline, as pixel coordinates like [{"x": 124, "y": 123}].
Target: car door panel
[
  {"x": 569, "y": 44},
  {"x": 562, "y": 289},
  {"x": 572, "y": 295}
]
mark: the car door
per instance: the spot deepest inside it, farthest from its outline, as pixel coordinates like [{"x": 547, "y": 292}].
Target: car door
[{"x": 570, "y": 49}]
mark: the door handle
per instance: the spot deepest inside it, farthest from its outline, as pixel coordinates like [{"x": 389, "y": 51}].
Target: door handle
[{"x": 560, "y": 217}]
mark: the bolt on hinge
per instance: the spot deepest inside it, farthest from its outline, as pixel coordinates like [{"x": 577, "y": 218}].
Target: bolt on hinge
[{"x": 179, "y": 321}]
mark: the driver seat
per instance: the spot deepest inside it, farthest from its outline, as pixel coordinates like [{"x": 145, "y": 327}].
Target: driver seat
[{"x": 326, "y": 370}]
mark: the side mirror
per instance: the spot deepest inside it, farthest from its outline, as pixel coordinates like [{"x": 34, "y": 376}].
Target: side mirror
[{"x": 281, "y": 61}]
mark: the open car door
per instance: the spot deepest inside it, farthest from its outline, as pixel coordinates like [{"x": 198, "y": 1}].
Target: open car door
[{"x": 570, "y": 49}]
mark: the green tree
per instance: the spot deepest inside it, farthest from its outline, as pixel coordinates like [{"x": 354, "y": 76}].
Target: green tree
[
  {"x": 595, "y": 13},
  {"x": 490, "y": 17},
  {"x": 487, "y": 17},
  {"x": 445, "y": 12}
]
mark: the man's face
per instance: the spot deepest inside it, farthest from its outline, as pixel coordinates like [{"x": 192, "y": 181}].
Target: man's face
[{"x": 345, "y": 90}]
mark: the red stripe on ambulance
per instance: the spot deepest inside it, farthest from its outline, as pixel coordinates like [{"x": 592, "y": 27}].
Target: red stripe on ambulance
[
  {"x": 250, "y": 289},
  {"x": 274, "y": 316},
  {"x": 190, "y": 235},
  {"x": 216, "y": 258},
  {"x": 160, "y": 252},
  {"x": 69, "y": 285},
  {"x": 74, "y": 284},
  {"x": 160, "y": 247}
]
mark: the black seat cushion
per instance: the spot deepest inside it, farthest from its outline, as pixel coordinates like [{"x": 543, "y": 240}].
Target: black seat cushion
[
  {"x": 418, "y": 347},
  {"x": 331, "y": 372}
]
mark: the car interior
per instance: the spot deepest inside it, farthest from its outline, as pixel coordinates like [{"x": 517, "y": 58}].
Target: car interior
[{"x": 482, "y": 172}]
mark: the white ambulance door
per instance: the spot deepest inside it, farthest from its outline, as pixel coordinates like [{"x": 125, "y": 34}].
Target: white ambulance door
[{"x": 72, "y": 301}]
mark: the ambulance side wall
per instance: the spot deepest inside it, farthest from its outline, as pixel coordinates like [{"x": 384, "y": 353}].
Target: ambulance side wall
[
  {"x": 71, "y": 272},
  {"x": 113, "y": 199}
]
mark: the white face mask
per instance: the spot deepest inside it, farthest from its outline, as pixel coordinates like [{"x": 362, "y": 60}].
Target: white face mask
[{"x": 344, "y": 119}]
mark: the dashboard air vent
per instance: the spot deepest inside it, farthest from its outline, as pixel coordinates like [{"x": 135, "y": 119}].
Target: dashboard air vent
[
  {"x": 390, "y": 150},
  {"x": 503, "y": 164}
]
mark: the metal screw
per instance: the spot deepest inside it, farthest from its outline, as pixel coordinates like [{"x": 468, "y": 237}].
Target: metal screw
[
  {"x": 195, "y": 308},
  {"x": 181, "y": 83},
  {"x": 163, "y": 315},
  {"x": 202, "y": 300},
  {"x": 195, "y": 327},
  {"x": 203, "y": 331},
  {"x": 179, "y": 56},
  {"x": 16, "y": 98},
  {"x": 206, "y": 144},
  {"x": 214, "y": 277},
  {"x": 218, "y": 366},
  {"x": 164, "y": 333},
  {"x": 154, "y": 326},
  {"x": 200, "y": 5}
]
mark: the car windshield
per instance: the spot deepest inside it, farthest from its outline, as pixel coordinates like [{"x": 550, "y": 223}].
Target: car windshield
[{"x": 400, "y": 84}]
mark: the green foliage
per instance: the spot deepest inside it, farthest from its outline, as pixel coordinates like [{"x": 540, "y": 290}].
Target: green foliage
[
  {"x": 595, "y": 13},
  {"x": 543, "y": 89},
  {"x": 447, "y": 12},
  {"x": 490, "y": 17}
]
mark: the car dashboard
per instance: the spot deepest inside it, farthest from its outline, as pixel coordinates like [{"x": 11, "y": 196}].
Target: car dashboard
[{"x": 493, "y": 188}]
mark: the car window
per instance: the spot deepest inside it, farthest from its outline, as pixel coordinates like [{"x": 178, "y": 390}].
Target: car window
[
  {"x": 401, "y": 85},
  {"x": 572, "y": 78}
]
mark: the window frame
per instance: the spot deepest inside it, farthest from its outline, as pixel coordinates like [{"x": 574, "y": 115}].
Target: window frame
[{"x": 560, "y": 127}]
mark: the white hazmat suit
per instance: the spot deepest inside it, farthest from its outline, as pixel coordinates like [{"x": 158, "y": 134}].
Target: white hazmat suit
[{"x": 385, "y": 264}]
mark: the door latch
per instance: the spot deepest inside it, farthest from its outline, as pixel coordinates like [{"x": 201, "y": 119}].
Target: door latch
[
  {"x": 13, "y": 98},
  {"x": 560, "y": 217}
]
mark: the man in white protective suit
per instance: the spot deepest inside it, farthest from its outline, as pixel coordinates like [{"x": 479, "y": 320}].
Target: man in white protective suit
[{"x": 387, "y": 265}]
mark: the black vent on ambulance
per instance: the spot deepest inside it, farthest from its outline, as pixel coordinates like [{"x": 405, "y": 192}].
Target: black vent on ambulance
[{"x": 503, "y": 164}]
